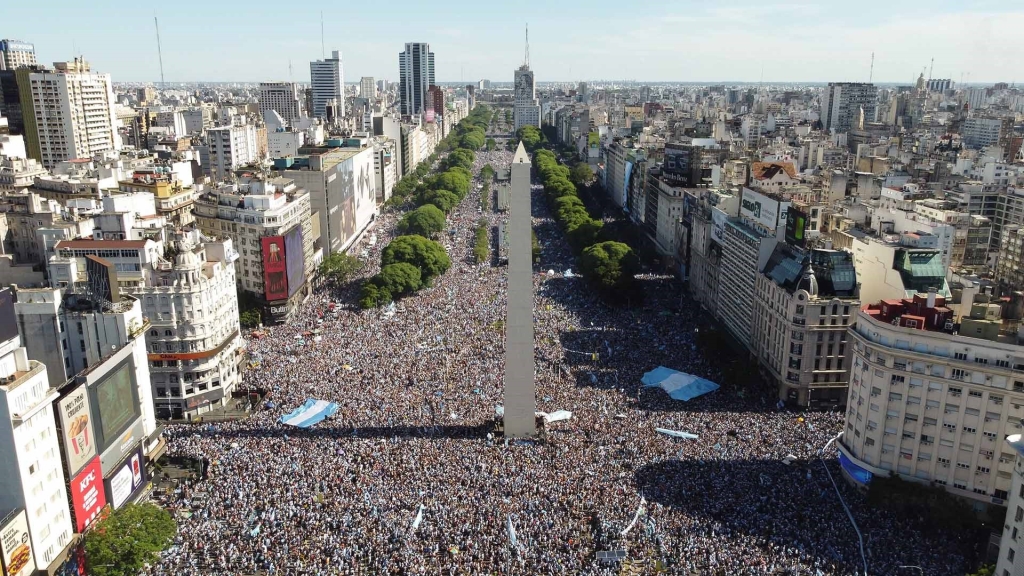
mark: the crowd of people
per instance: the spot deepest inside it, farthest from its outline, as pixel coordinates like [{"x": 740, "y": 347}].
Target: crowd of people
[{"x": 410, "y": 476}]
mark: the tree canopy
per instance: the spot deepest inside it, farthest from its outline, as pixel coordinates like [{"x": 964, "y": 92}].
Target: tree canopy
[
  {"x": 427, "y": 255},
  {"x": 427, "y": 221},
  {"x": 443, "y": 200},
  {"x": 127, "y": 539},
  {"x": 339, "y": 267},
  {"x": 461, "y": 157},
  {"x": 611, "y": 266},
  {"x": 581, "y": 174},
  {"x": 531, "y": 137}
]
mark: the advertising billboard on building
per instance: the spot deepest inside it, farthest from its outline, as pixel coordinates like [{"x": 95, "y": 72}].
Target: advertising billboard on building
[
  {"x": 8, "y": 320},
  {"x": 116, "y": 401},
  {"x": 294, "y": 260},
  {"x": 762, "y": 209},
  {"x": 678, "y": 167},
  {"x": 718, "y": 219},
  {"x": 796, "y": 227},
  {"x": 16, "y": 546},
  {"x": 87, "y": 495},
  {"x": 127, "y": 479},
  {"x": 76, "y": 428},
  {"x": 275, "y": 275}
]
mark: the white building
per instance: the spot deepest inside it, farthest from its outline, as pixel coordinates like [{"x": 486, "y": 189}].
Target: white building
[
  {"x": 327, "y": 78},
  {"x": 32, "y": 476},
  {"x": 231, "y": 147},
  {"x": 526, "y": 109},
  {"x": 173, "y": 120},
  {"x": 931, "y": 399},
  {"x": 16, "y": 53},
  {"x": 74, "y": 112},
  {"x": 982, "y": 132},
  {"x": 283, "y": 98},
  {"x": 1011, "y": 557},
  {"x": 385, "y": 168},
  {"x": 842, "y": 102},
  {"x": 416, "y": 74},
  {"x": 268, "y": 222},
  {"x": 285, "y": 142},
  {"x": 367, "y": 88}
]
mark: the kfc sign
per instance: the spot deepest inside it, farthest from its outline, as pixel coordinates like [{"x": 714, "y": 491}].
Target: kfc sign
[{"x": 87, "y": 496}]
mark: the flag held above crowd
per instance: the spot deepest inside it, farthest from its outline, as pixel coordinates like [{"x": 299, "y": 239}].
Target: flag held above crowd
[
  {"x": 311, "y": 412},
  {"x": 679, "y": 385}
]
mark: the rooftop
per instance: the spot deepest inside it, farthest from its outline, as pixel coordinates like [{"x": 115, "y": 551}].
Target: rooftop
[{"x": 100, "y": 244}]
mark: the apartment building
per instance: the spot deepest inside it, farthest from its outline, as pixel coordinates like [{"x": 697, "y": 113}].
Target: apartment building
[
  {"x": 280, "y": 97},
  {"x": 737, "y": 276},
  {"x": 231, "y": 147},
  {"x": 1011, "y": 557},
  {"x": 932, "y": 398}
]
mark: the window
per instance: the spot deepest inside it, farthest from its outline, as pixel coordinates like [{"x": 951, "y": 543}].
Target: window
[
  {"x": 926, "y": 439},
  {"x": 952, "y": 408},
  {"x": 1003, "y": 363},
  {"x": 974, "y": 394},
  {"x": 963, "y": 466},
  {"x": 949, "y": 426},
  {"x": 1009, "y": 554},
  {"x": 955, "y": 392},
  {"x": 958, "y": 374},
  {"x": 944, "y": 461},
  {"x": 983, "y": 470},
  {"x": 895, "y": 396},
  {"x": 960, "y": 355},
  {"x": 970, "y": 430},
  {"x": 997, "y": 400}
]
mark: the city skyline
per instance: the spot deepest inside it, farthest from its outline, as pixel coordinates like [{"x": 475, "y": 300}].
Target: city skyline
[{"x": 796, "y": 42}]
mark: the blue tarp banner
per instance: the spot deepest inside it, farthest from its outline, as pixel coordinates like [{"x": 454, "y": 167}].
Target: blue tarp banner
[
  {"x": 860, "y": 475},
  {"x": 679, "y": 385},
  {"x": 310, "y": 413}
]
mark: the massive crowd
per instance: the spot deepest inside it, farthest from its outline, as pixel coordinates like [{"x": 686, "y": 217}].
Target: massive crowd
[{"x": 417, "y": 388}]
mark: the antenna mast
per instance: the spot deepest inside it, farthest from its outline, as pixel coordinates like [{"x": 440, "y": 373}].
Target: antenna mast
[
  {"x": 930, "y": 69},
  {"x": 526, "y": 61},
  {"x": 323, "y": 51},
  {"x": 159, "y": 53},
  {"x": 871, "y": 74}
]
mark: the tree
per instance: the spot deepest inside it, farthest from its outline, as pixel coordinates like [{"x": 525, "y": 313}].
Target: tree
[
  {"x": 481, "y": 243},
  {"x": 531, "y": 137},
  {"x": 339, "y": 267},
  {"x": 427, "y": 255},
  {"x": 121, "y": 543},
  {"x": 487, "y": 172},
  {"x": 427, "y": 221},
  {"x": 611, "y": 266},
  {"x": 371, "y": 295},
  {"x": 585, "y": 234},
  {"x": 399, "y": 279},
  {"x": 453, "y": 180},
  {"x": 250, "y": 318},
  {"x": 581, "y": 174},
  {"x": 444, "y": 200},
  {"x": 985, "y": 570},
  {"x": 491, "y": 144},
  {"x": 461, "y": 157}
]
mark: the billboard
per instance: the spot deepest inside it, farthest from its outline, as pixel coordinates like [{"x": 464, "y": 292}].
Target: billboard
[
  {"x": 796, "y": 227},
  {"x": 718, "y": 219},
  {"x": 8, "y": 321},
  {"x": 115, "y": 397},
  {"x": 16, "y": 546},
  {"x": 763, "y": 209},
  {"x": 678, "y": 167},
  {"x": 294, "y": 260},
  {"x": 275, "y": 279},
  {"x": 76, "y": 428},
  {"x": 126, "y": 480},
  {"x": 87, "y": 495},
  {"x": 859, "y": 474}
]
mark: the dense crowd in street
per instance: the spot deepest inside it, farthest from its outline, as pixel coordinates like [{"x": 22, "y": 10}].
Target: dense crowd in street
[{"x": 417, "y": 387}]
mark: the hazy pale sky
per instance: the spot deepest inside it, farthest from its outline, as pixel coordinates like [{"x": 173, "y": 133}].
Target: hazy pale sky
[{"x": 812, "y": 41}]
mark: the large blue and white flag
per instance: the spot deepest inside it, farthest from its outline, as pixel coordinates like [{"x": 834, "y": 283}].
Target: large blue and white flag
[{"x": 310, "y": 413}]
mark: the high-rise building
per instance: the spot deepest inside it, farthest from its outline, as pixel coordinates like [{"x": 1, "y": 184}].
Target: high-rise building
[
  {"x": 526, "y": 109},
  {"x": 281, "y": 97},
  {"x": 842, "y": 102},
  {"x": 416, "y": 75},
  {"x": 231, "y": 147},
  {"x": 15, "y": 54},
  {"x": 367, "y": 88},
  {"x": 435, "y": 100},
  {"x": 74, "y": 113},
  {"x": 327, "y": 78},
  {"x": 34, "y": 502}
]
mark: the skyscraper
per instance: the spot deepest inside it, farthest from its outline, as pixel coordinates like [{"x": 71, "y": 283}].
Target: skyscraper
[
  {"x": 327, "y": 78},
  {"x": 281, "y": 97},
  {"x": 416, "y": 74},
  {"x": 526, "y": 110},
  {"x": 367, "y": 88},
  {"x": 841, "y": 104},
  {"x": 74, "y": 113},
  {"x": 15, "y": 53}
]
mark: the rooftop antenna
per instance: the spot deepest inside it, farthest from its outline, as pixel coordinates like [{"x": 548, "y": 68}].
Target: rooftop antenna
[
  {"x": 930, "y": 69},
  {"x": 323, "y": 50},
  {"x": 871, "y": 74},
  {"x": 159, "y": 52},
  {"x": 289, "y": 69},
  {"x": 526, "y": 61}
]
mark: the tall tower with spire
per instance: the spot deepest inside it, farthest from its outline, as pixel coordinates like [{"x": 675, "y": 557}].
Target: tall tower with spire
[{"x": 526, "y": 109}]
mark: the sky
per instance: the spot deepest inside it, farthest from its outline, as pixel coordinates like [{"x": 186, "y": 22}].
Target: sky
[{"x": 979, "y": 41}]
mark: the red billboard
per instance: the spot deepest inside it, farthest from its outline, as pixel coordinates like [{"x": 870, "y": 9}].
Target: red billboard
[
  {"x": 87, "y": 496},
  {"x": 275, "y": 274}
]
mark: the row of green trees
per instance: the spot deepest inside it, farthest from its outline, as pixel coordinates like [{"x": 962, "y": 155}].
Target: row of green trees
[
  {"x": 481, "y": 243},
  {"x": 414, "y": 259},
  {"x": 610, "y": 266}
]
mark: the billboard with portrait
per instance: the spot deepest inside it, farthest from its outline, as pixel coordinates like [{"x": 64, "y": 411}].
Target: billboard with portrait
[
  {"x": 275, "y": 275},
  {"x": 718, "y": 219},
  {"x": 126, "y": 480},
  {"x": 294, "y": 260},
  {"x": 76, "y": 425},
  {"x": 16, "y": 546},
  {"x": 115, "y": 398},
  {"x": 87, "y": 495},
  {"x": 763, "y": 210}
]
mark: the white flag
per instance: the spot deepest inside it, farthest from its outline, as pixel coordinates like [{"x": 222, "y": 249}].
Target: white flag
[
  {"x": 512, "y": 533},
  {"x": 639, "y": 511},
  {"x": 416, "y": 521}
]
